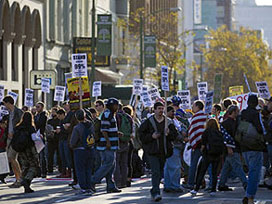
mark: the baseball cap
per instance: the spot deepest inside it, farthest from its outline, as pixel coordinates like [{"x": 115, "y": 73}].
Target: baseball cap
[{"x": 112, "y": 101}]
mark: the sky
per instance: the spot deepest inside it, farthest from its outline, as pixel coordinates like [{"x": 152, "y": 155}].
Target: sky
[{"x": 264, "y": 2}]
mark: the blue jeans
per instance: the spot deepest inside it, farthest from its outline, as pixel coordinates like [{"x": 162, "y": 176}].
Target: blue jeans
[
  {"x": 156, "y": 164},
  {"x": 232, "y": 164},
  {"x": 172, "y": 170},
  {"x": 108, "y": 160},
  {"x": 84, "y": 161},
  {"x": 65, "y": 155},
  {"x": 97, "y": 160},
  {"x": 254, "y": 161},
  {"x": 195, "y": 155}
]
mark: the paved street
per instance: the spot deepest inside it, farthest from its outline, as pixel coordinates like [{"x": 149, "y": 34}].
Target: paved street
[{"x": 55, "y": 191}]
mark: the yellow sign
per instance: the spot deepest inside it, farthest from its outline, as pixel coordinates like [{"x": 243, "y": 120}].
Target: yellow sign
[
  {"x": 236, "y": 90},
  {"x": 73, "y": 92}
]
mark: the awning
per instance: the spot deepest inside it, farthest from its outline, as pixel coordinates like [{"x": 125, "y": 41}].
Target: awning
[{"x": 107, "y": 76}]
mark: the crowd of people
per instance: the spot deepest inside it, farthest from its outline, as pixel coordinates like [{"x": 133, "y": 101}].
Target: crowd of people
[{"x": 103, "y": 141}]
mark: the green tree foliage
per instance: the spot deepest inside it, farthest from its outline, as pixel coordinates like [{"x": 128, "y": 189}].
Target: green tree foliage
[{"x": 235, "y": 54}]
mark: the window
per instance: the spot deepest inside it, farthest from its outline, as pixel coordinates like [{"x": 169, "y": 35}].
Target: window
[{"x": 14, "y": 62}]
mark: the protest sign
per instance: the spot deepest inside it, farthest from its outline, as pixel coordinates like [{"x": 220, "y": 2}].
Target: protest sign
[
  {"x": 73, "y": 92},
  {"x": 242, "y": 100},
  {"x": 185, "y": 97},
  {"x": 13, "y": 95},
  {"x": 145, "y": 98},
  {"x": 4, "y": 163},
  {"x": 202, "y": 89},
  {"x": 2, "y": 89},
  {"x": 164, "y": 78},
  {"x": 3, "y": 111},
  {"x": 45, "y": 85},
  {"x": 137, "y": 86},
  {"x": 29, "y": 97},
  {"x": 145, "y": 88},
  {"x": 209, "y": 102},
  {"x": 263, "y": 89},
  {"x": 67, "y": 76},
  {"x": 59, "y": 94},
  {"x": 79, "y": 65},
  {"x": 236, "y": 90},
  {"x": 97, "y": 89},
  {"x": 154, "y": 94}
]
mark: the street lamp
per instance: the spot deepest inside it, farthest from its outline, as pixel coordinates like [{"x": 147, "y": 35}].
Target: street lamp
[{"x": 176, "y": 9}]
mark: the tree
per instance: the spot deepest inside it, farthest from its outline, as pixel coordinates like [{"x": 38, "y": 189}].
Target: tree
[{"x": 235, "y": 54}]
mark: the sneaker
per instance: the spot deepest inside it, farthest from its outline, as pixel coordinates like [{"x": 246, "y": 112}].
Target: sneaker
[
  {"x": 224, "y": 188},
  {"x": 114, "y": 190},
  {"x": 76, "y": 187},
  {"x": 193, "y": 192},
  {"x": 16, "y": 184},
  {"x": 212, "y": 193},
  {"x": 156, "y": 198}
]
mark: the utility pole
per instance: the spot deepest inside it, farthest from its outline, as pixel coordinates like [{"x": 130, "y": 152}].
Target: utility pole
[
  {"x": 93, "y": 46},
  {"x": 141, "y": 48}
]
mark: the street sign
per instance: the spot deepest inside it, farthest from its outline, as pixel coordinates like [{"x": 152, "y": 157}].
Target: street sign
[{"x": 37, "y": 75}]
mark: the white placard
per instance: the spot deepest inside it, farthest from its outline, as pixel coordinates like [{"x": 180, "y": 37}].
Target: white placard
[
  {"x": 154, "y": 94},
  {"x": 242, "y": 100},
  {"x": 263, "y": 89},
  {"x": 97, "y": 89},
  {"x": 45, "y": 85},
  {"x": 145, "y": 98},
  {"x": 202, "y": 89},
  {"x": 185, "y": 97},
  {"x": 4, "y": 164},
  {"x": 197, "y": 11},
  {"x": 13, "y": 95},
  {"x": 59, "y": 94},
  {"x": 145, "y": 88},
  {"x": 2, "y": 92},
  {"x": 3, "y": 111},
  {"x": 79, "y": 65},
  {"x": 36, "y": 137},
  {"x": 164, "y": 78},
  {"x": 137, "y": 86},
  {"x": 209, "y": 102},
  {"x": 29, "y": 97}
]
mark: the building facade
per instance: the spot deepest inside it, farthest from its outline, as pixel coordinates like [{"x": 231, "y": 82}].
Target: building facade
[{"x": 21, "y": 44}]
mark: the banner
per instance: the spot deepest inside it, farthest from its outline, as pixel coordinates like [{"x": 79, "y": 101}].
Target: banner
[
  {"x": 2, "y": 92},
  {"x": 242, "y": 100},
  {"x": 154, "y": 94},
  {"x": 79, "y": 65},
  {"x": 262, "y": 88},
  {"x": 29, "y": 97},
  {"x": 145, "y": 98},
  {"x": 164, "y": 78},
  {"x": 236, "y": 90},
  {"x": 59, "y": 94},
  {"x": 209, "y": 102},
  {"x": 197, "y": 11},
  {"x": 202, "y": 89},
  {"x": 137, "y": 86},
  {"x": 97, "y": 89},
  {"x": 185, "y": 97},
  {"x": 150, "y": 51},
  {"x": 45, "y": 85},
  {"x": 73, "y": 92},
  {"x": 104, "y": 25},
  {"x": 13, "y": 95},
  {"x": 217, "y": 87}
]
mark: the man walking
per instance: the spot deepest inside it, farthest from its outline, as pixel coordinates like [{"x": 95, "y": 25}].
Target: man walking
[{"x": 157, "y": 142}]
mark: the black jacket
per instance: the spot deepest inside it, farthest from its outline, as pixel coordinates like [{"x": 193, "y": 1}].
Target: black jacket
[
  {"x": 155, "y": 146},
  {"x": 40, "y": 122}
]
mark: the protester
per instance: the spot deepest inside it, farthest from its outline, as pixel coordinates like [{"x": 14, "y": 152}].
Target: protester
[
  {"x": 212, "y": 145},
  {"x": 99, "y": 106},
  {"x": 253, "y": 154},
  {"x": 157, "y": 142},
  {"x": 53, "y": 140},
  {"x": 232, "y": 163},
  {"x": 124, "y": 124},
  {"x": 83, "y": 154},
  {"x": 195, "y": 132},
  {"x": 216, "y": 110},
  {"x": 15, "y": 115},
  {"x": 3, "y": 140},
  {"x": 40, "y": 123},
  {"x": 172, "y": 166},
  {"x": 108, "y": 145}
]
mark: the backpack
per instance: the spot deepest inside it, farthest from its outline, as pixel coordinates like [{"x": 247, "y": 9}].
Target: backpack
[
  {"x": 88, "y": 136},
  {"x": 21, "y": 140},
  {"x": 125, "y": 128},
  {"x": 215, "y": 144},
  {"x": 248, "y": 136}
]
